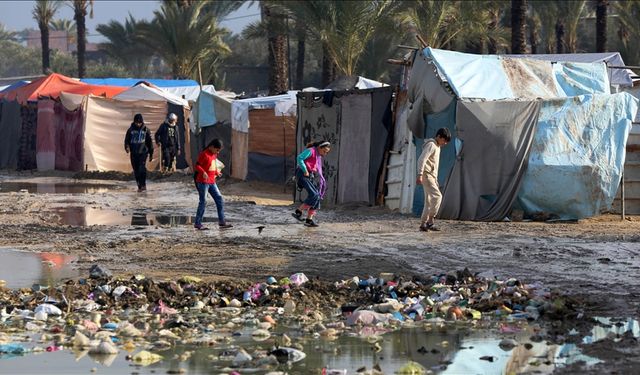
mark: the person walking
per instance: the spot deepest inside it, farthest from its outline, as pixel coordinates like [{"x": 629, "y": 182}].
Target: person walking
[
  {"x": 168, "y": 138},
  {"x": 309, "y": 166},
  {"x": 428, "y": 177},
  {"x": 208, "y": 168},
  {"x": 139, "y": 146}
]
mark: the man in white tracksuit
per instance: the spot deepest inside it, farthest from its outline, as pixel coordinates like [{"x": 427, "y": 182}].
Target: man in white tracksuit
[{"x": 428, "y": 177}]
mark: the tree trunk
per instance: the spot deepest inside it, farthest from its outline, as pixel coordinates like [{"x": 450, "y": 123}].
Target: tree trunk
[
  {"x": 277, "y": 44},
  {"x": 601, "y": 25},
  {"x": 44, "y": 40},
  {"x": 534, "y": 37},
  {"x": 300, "y": 58},
  {"x": 560, "y": 36},
  {"x": 80, "y": 14},
  {"x": 328, "y": 67},
  {"x": 518, "y": 26},
  {"x": 492, "y": 46}
]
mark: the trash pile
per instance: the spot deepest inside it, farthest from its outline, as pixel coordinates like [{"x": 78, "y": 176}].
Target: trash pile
[{"x": 103, "y": 314}]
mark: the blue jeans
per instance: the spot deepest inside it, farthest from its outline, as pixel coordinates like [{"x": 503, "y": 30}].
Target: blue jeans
[
  {"x": 313, "y": 195},
  {"x": 217, "y": 197}
]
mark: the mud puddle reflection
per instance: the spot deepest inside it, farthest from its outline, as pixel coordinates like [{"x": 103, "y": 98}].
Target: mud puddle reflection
[
  {"x": 443, "y": 351},
  {"x": 56, "y": 187},
  {"x": 87, "y": 216},
  {"x": 20, "y": 269}
]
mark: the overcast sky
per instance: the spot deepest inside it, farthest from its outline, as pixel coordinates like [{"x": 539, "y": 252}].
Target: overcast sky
[{"x": 16, "y": 15}]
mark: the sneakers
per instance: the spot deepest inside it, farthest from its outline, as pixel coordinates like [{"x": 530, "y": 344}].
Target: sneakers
[
  {"x": 297, "y": 215},
  {"x": 225, "y": 226},
  {"x": 423, "y": 228},
  {"x": 200, "y": 227},
  {"x": 310, "y": 223},
  {"x": 429, "y": 227}
]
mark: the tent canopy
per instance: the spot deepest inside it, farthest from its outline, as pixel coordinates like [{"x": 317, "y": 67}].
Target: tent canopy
[
  {"x": 128, "y": 82},
  {"x": 53, "y": 84},
  {"x": 146, "y": 92},
  {"x": 15, "y": 85}
]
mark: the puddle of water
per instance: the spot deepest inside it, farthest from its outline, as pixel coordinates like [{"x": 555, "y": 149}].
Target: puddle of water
[
  {"x": 449, "y": 351},
  {"x": 612, "y": 328},
  {"x": 56, "y": 187},
  {"x": 20, "y": 269},
  {"x": 87, "y": 216}
]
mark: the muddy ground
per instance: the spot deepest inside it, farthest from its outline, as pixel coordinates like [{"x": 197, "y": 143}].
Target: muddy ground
[{"x": 595, "y": 260}]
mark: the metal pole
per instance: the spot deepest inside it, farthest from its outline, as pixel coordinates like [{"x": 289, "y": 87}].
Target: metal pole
[{"x": 622, "y": 196}]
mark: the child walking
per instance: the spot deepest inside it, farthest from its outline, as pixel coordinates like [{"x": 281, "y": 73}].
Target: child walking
[
  {"x": 428, "y": 177},
  {"x": 309, "y": 163},
  {"x": 205, "y": 177}
]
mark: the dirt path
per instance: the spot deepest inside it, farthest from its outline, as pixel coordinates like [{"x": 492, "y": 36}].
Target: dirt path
[{"x": 596, "y": 258}]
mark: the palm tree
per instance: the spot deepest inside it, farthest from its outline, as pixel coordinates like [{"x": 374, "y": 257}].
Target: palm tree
[
  {"x": 570, "y": 13},
  {"x": 629, "y": 29},
  {"x": 476, "y": 23},
  {"x": 61, "y": 24},
  {"x": 278, "y": 61},
  {"x": 431, "y": 20},
  {"x": 125, "y": 46},
  {"x": 518, "y": 26},
  {"x": 184, "y": 35},
  {"x": 80, "y": 10},
  {"x": 601, "y": 25},
  {"x": 43, "y": 13},
  {"x": 545, "y": 14}
]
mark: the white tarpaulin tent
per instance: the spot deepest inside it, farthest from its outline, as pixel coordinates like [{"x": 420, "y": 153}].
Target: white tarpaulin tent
[{"x": 146, "y": 92}]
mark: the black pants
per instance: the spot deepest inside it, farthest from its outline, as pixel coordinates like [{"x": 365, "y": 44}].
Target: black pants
[
  {"x": 168, "y": 156},
  {"x": 138, "y": 163}
]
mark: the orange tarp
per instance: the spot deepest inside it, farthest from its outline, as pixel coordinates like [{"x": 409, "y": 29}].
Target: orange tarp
[{"x": 53, "y": 84}]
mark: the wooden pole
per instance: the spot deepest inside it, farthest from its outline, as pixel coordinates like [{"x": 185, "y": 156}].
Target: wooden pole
[{"x": 424, "y": 44}]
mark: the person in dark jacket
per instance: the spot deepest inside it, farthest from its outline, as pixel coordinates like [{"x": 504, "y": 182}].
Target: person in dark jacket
[
  {"x": 168, "y": 138},
  {"x": 138, "y": 144}
]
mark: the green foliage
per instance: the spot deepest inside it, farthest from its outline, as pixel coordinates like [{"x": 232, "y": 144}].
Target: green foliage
[
  {"x": 126, "y": 46},
  {"x": 44, "y": 10},
  {"x": 62, "y": 24},
  {"x": 184, "y": 35},
  {"x": 629, "y": 30},
  {"x": 17, "y": 60},
  {"x": 6, "y": 35}
]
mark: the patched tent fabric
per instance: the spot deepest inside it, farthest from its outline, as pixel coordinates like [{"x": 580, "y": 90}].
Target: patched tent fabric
[
  {"x": 359, "y": 134},
  {"x": 128, "y": 82},
  {"x": 106, "y": 123},
  {"x": 145, "y": 92},
  {"x": 496, "y": 138},
  {"x": 27, "y": 152},
  {"x": 53, "y": 84},
  {"x": 578, "y": 156},
  {"x": 272, "y": 146},
  {"x": 46, "y": 136},
  {"x": 11, "y": 125},
  {"x": 497, "y": 78}
]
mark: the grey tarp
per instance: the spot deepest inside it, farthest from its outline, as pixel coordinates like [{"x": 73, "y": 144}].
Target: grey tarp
[
  {"x": 316, "y": 122},
  {"x": 353, "y": 185},
  {"x": 11, "y": 127},
  {"x": 496, "y": 139},
  {"x": 275, "y": 169},
  {"x": 381, "y": 137}
]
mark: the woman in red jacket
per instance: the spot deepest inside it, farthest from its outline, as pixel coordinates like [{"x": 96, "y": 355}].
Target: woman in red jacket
[{"x": 206, "y": 172}]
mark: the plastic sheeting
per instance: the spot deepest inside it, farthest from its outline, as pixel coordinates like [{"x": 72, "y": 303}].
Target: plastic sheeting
[
  {"x": 578, "y": 156},
  {"x": 496, "y": 138},
  {"x": 11, "y": 125},
  {"x": 46, "y": 136},
  {"x": 354, "y": 159},
  {"x": 493, "y": 77},
  {"x": 190, "y": 93},
  {"x": 620, "y": 77},
  {"x": 128, "y": 82},
  {"x": 106, "y": 124},
  {"x": 27, "y": 152},
  {"x": 144, "y": 92},
  {"x": 381, "y": 138},
  {"x": 275, "y": 169}
]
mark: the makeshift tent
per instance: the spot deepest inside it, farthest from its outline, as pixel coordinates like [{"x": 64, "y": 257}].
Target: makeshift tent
[
  {"x": 176, "y": 105},
  {"x": 128, "y": 82},
  {"x": 190, "y": 93},
  {"x": 211, "y": 120},
  {"x": 60, "y": 136},
  {"x": 530, "y": 149},
  {"x": 27, "y": 150},
  {"x": 619, "y": 77},
  {"x": 11, "y": 125},
  {"x": 263, "y": 144},
  {"x": 14, "y": 86},
  {"x": 106, "y": 123},
  {"x": 53, "y": 84},
  {"x": 358, "y": 125}
]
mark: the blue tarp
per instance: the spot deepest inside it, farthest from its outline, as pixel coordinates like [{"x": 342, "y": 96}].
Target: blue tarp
[
  {"x": 206, "y": 111},
  {"x": 128, "y": 82},
  {"x": 15, "y": 85},
  {"x": 495, "y": 77},
  {"x": 578, "y": 155}
]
